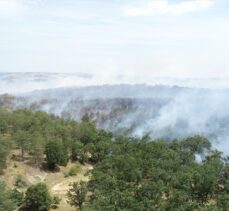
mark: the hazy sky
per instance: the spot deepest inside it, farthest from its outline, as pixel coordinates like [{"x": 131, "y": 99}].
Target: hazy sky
[{"x": 175, "y": 38}]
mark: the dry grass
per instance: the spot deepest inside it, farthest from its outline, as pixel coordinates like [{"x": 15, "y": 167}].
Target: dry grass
[{"x": 56, "y": 181}]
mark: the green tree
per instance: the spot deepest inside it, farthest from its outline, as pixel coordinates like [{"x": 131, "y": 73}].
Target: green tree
[
  {"x": 77, "y": 194},
  {"x": 76, "y": 147},
  {"x": 87, "y": 130},
  {"x": 197, "y": 144},
  {"x": 180, "y": 201},
  {"x": 223, "y": 201},
  {"x": 3, "y": 157},
  {"x": 6, "y": 145},
  {"x": 150, "y": 194},
  {"x": 16, "y": 196},
  {"x": 6, "y": 202},
  {"x": 37, "y": 198},
  {"x": 37, "y": 148},
  {"x": 55, "y": 155},
  {"x": 22, "y": 139}
]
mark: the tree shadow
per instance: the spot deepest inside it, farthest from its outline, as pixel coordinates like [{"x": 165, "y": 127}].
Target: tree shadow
[
  {"x": 16, "y": 157},
  {"x": 45, "y": 167}
]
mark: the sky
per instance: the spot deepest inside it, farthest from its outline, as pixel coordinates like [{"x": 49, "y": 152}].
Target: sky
[{"x": 140, "y": 38}]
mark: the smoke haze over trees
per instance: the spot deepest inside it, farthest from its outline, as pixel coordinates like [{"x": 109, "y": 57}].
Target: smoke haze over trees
[{"x": 160, "y": 111}]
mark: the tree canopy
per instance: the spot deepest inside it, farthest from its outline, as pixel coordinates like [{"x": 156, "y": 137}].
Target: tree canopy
[
  {"x": 37, "y": 198},
  {"x": 128, "y": 173}
]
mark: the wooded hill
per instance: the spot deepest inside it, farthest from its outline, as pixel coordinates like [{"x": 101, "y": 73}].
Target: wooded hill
[{"x": 129, "y": 173}]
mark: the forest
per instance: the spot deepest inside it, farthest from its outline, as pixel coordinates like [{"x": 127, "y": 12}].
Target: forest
[{"x": 129, "y": 173}]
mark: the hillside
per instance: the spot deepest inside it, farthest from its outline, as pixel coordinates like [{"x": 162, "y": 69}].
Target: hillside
[
  {"x": 45, "y": 158},
  {"x": 166, "y": 112},
  {"x": 57, "y": 182}
]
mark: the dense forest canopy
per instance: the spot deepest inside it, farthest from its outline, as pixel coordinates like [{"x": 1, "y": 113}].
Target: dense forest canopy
[{"x": 129, "y": 173}]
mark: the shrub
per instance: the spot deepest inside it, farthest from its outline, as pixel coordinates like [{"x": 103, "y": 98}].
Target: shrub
[
  {"x": 73, "y": 170},
  {"x": 19, "y": 182},
  {"x": 17, "y": 196},
  {"x": 37, "y": 198},
  {"x": 55, "y": 202},
  {"x": 6, "y": 203}
]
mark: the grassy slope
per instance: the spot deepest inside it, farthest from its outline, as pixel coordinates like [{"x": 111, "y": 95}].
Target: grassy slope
[{"x": 57, "y": 182}]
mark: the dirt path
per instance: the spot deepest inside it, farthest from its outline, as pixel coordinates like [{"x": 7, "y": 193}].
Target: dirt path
[
  {"x": 61, "y": 187},
  {"x": 57, "y": 183}
]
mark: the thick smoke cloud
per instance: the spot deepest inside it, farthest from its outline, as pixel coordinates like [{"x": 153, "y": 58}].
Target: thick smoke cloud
[{"x": 168, "y": 112}]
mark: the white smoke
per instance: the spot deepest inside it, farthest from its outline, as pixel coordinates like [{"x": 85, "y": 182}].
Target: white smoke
[
  {"x": 168, "y": 112},
  {"x": 15, "y": 83}
]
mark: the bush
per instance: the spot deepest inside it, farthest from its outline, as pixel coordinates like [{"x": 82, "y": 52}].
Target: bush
[
  {"x": 37, "y": 198},
  {"x": 76, "y": 147},
  {"x": 17, "y": 197},
  {"x": 55, "y": 202},
  {"x": 73, "y": 170},
  {"x": 83, "y": 157},
  {"x": 19, "y": 182},
  {"x": 6, "y": 203}
]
